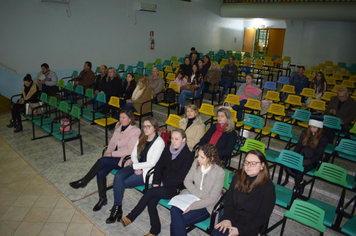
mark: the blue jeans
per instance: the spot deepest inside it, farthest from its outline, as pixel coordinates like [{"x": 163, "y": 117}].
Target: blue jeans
[
  {"x": 179, "y": 222},
  {"x": 108, "y": 164},
  {"x": 130, "y": 106},
  {"x": 226, "y": 85},
  {"x": 183, "y": 95},
  {"x": 125, "y": 178},
  {"x": 240, "y": 107},
  {"x": 217, "y": 233}
]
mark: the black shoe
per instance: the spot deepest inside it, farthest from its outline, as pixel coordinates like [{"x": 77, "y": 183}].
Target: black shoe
[
  {"x": 18, "y": 129},
  {"x": 101, "y": 202},
  {"x": 115, "y": 215},
  {"x": 11, "y": 125},
  {"x": 78, "y": 184}
]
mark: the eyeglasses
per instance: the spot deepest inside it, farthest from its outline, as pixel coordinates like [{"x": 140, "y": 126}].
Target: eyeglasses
[
  {"x": 252, "y": 163},
  {"x": 147, "y": 127}
]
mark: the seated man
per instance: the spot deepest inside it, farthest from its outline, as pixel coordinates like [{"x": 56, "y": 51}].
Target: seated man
[
  {"x": 86, "y": 77},
  {"x": 46, "y": 79},
  {"x": 100, "y": 79},
  {"x": 299, "y": 81},
  {"x": 228, "y": 76},
  {"x": 156, "y": 83},
  {"x": 194, "y": 59},
  {"x": 342, "y": 106}
]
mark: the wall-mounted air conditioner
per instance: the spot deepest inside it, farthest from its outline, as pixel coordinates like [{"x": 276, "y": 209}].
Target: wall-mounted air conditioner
[
  {"x": 146, "y": 7},
  {"x": 56, "y": 1}
]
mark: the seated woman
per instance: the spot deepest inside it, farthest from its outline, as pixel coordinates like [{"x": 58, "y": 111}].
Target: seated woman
[
  {"x": 186, "y": 66},
  {"x": 311, "y": 145},
  {"x": 212, "y": 77},
  {"x": 222, "y": 135},
  {"x": 190, "y": 87},
  {"x": 121, "y": 145},
  {"x": 250, "y": 199},
  {"x": 144, "y": 156},
  {"x": 204, "y": 180},
  {"x": 142, "y": 93},
  {"x": 30, "y": 94},
  {"x": 128, "y": 88},
  {"x": 170, "y": 171},
  {"x": 181, "y": 80},
  {"x": 192, "y": 125},
  {"x": 112, "y": 87},
  {"x": 319, "y": 85},
  {"x": 204, "y": 65},
  {"x": 246, "y": 91}
]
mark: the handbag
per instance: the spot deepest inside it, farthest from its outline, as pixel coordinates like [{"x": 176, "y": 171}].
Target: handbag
[
  {"x": 187, "y": 87},
  {"x": 65, "y": 126},
  {"x": 226, "y": 105},
  {"x": 165, "y": 135},
  {"x": 31, "y": 106}
]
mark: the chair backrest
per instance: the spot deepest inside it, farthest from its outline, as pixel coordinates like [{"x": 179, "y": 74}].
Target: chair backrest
[
  {"x": 158, "y": 61},
  {"x": 332, "y": 173},
  {"x": 89, "y": 93},
  {"x": 44, "y": 97},
  {"x": 207, "y": 109},
  {"x": 167, "y": 63},
  {"x": 348, "y": 84},
  {"x": 288, "y": 89},
  {"x": 63, "y": 106},
  {"x": 276, "y": 109},
  {"x": 74, "y": 74},
  {"x": 175, "y": 64},
  {"x": 173, "y": 58},
  {"x": 173, "y": 120},
  {"x": 232, "y": 99},
  {"x": 294, "y": 100},
  {"x": 75, "y": 112},
  {"x": 148, "y": 72},
  {"x": 301, "y": 115},
  {"x": 353, "y": 129},
  {"x": 52, "y": 102},
  {"x": 233, "y": 115},
  {"x": 337, "y": 76},
  {"x": 332, "y": 122},
  {"x": 69, "y": 87},
  {"x": 168, "y": 69},
  {"x": 327, "y": 96},
  {"x": 272, "y": 95},
  {"x": 149, "y": 65},
  {"x": 253, "y": 104},
  {"x": 171, "y": 76},
  {"x": 140, "y": 64},
  {"x": 61, "y": 83},
  {"x": 79, "y": 90},
  {"x": 307, "y": 214},
  {"x": 159, "y": 67},
  {"x": 290, "y": 159},
  {"x": 336, "y": 88},
  {"x": 121, "y": 67},
  {"x": 129, "y": 69},
  {"x": 114, "y": 101},
  {"x": 308, "y": 92},
  {"x": 317, "y": 105},
  {"x": 161, "y": 73},
  {"x": 101, "y": 97},
  {"x": 227, "y": 179},
  {"x": 346, "y": 146},
  {"x": 139, "y": 71},
  {"x": 174, "y": 86},
  {"x": 254, "y": 121},
  {"x": 282, "y": 129},
  {"x": 283, "y": 80},
  {"x": 252, "y": 144}
]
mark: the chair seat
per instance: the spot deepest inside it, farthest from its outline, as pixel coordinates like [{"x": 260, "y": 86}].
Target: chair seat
[
  {"x": 279, "y": 118},
  {"x": 89, "y": 116},
  {"x": 304, "y": 124},
  {"x": 138, "y": 114},
  {"x": 44, "y": 121},
  {"x": 239, "y": 123},
  {"x": 87, "y": 110},
  {"x": 167, "y": 104},
  {"x": 294, "y": 140},
  {"x": 350, "y": 181},
  {"x": 164, "y": 202},
  {"x": 348, "y": 157},
  {"x": 47, "y": 128},
  {"x": 103, "y": 123},
  {"x": 349, "y": 227},
  {"x": 114, "y": 171},
  {"x": 329, "y": 211},
  {"x": 283, "y": 195},
  {"x": 266, "y": 130},
  {"x": 271, "y": 155},
  {"x": 141, "y": 188},
  {"x": 30, "y": 117},
  {"x": 59, "y": 136},
  {"x": 311, "y": 172},
  {"x": 329, "y": 148},
  {"x": 204, "y": 225}
]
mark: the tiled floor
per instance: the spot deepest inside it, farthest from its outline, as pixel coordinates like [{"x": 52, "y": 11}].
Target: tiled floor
[{"x": 33, "y": 198}]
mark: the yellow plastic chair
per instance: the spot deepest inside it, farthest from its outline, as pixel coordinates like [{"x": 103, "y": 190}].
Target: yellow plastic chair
[
  {"x": 207, "y": 109},
  {"x": 294, "y": 100},
  {"x": 108, "y": 121},
  {"x": 168, "y": 69},
  {"x": 307, "y": 72},
  {"x": 161, "y": 73},
  {"x": 311, "y": 77},
  {"x": 272, "y": 95},
  {"x": 353, "y": 78},
  {"x": 308, "y": 92},
  {"x": 345, "y": 72},
  {"x": 329, "y": 71},
  {"x": 278, "y": 62},
  {"x": 336, "y": 68},
  {"x": 336, "y": 88},
  {"x": 232, "y": 99},
  {"x": 329, "y": 63},
  {"x": 173, "y": 120},
  {"x": 171, "y": 76},
  {"x": 318, "y": 105},
  {"x": 276, "y": 110},
  {"x": 327, "y": 96},
  {"x": 267, "y": 59},
  {"x": 254, "y": 105},
  {"x": 348, "y": 84},
  {"x": 222, "y": 65},
  {"x": 225, "y": 61},
  {"x": 175, "y": 64},
  {"x": 314, "y": 69},
  {"x": 288, "y": 89},
  {"x": 338, "y": 77},
  {"x": 321, "y": 67}
]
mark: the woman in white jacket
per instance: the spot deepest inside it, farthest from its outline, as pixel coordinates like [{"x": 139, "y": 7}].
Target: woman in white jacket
[{"x": 144, "y": 156}]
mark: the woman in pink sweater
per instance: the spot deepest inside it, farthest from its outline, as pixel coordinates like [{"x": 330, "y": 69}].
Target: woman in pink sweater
[
  {"x": 121, "y": 145},
  {"x": 181, "y": 79}
]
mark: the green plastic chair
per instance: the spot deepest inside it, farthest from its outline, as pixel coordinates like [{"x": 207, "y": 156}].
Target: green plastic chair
[
  {"x": 140, "y": 64},
  {"x": 307, "y": 214},
  {"x": 346, "y": 149},
  {"x": 283, "y": 130},
  {"x": 52, "y": 126},
  {"x": 92, "y": 115},
  {"x": 158, "y": 61},
  {"x": 353, "y": 132},
  {"x": 149, "y": 66},
  {"x": 121, "y": 68},
  {"x": 253, "y": 123},
  {"x": 251, "y": 144},
  {"x": 52, "y": 102},
  {"x": 173, "y": 58},
  {"x": 349, "y": 227},
  {"x": 129, "y": 69},
  {"x": 332, "y": 122},
  {"x": 336, "y": 175},
  {"x": 302, "y": 117}
]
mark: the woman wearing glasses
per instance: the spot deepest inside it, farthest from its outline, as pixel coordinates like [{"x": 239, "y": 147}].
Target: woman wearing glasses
[
  {"x": 249, "y": 200},
  {"x": 144, "y": 156}
]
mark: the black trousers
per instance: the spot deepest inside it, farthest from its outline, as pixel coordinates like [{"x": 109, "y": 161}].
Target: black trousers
[
  {"x": 297, "y": 175},
  {"x": 151, "y": 199},
  {"x": 16, "y": 111}
]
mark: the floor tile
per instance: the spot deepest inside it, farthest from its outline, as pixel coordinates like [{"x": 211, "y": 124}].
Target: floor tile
[
  {"x": 40, "y": 214},
  {"x": 54, "y": 229},
  {"x": 7, "y": 228},
  {"x": 75, "y": 229},
  {"x": 14, "y": 213},
  {"x": 28, "y": 229},
  {"x": 62, "y": 215}
]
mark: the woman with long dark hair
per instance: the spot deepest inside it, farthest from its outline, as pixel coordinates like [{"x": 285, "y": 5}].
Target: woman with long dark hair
[
  {"x": 128, "y": 88},
  {"x": 319, "y": 85},
  {"x": 144, "y": 156},
  {"x": 250, "y": 199},
  {"x": 29, "y": 95}
]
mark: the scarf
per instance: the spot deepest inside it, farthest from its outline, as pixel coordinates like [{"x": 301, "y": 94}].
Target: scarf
[
  {"x": 137, "y": 93},
  {"x": 175, "y": 152},
  {"x": 217, "y": 134},
  {"x": 30, "y": 93},
  {"x": 204, "y": 172},
  {"x": 210, "y": 74}
]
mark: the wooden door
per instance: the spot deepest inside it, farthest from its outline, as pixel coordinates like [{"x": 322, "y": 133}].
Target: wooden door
[
  {"x": 249, "y": 38},
  {"x": 276, "y": 42}
]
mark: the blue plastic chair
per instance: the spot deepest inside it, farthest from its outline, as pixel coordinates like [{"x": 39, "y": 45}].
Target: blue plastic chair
[
  {"x": 283, "y": 80},
  {"x": 270, "y": 86}
]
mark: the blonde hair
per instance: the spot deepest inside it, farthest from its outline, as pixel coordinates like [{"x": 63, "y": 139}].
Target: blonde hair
[
  {"x": 194, "y": 108},
  {"x": 214, "y": 63},
  {"x": 144, "y": 80},
  {"x": 115, "y": 73},
  {"x": 230, "y": 123}
]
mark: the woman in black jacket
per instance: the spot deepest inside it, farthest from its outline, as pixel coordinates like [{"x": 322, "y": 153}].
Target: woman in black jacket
[
  {"x": 186, "y": 66},
  {"x": 250, "y": 199},
  {"x": 169, "y": 174},
  {"x": 311, "y": 145},
  {"x": 128, "y": 88},
  {"x": 30, "y": 94},
  {"x": 222, "y": 135}
]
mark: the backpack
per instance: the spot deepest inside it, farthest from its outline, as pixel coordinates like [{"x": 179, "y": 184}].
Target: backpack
[
  {"x": 169, "y": 96},
  {"x": 65, "y": 126}
]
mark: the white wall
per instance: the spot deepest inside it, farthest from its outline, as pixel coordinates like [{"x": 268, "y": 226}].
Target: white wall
[{"x": 106, "y": 32}]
